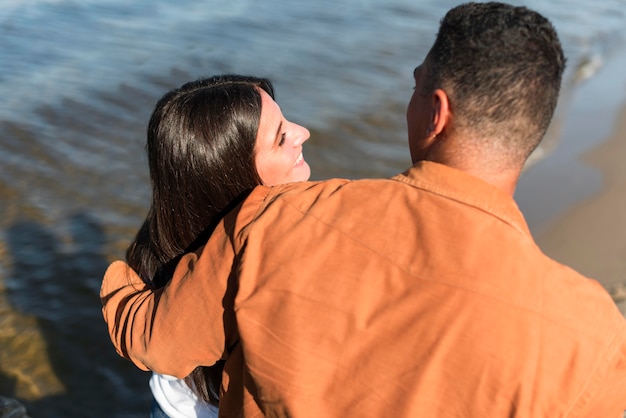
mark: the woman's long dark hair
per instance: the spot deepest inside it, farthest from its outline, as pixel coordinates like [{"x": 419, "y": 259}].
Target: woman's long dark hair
[{"x": 200, "y": 145}]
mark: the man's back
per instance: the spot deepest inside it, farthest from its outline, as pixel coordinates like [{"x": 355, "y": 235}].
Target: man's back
[{"x": 426, "y": 300}]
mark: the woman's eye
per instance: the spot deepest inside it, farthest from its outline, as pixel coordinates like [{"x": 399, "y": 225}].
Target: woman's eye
[{"x": 282, "y": 140}]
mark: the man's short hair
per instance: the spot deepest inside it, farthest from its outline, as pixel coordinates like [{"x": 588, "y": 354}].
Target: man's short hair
[{"x": 501, "y": 67}]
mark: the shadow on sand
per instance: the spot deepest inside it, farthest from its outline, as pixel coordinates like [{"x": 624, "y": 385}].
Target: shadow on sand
[{"x": 59, "y": 360}]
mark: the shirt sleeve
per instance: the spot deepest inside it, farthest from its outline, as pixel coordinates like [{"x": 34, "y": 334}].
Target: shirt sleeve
[
  {"x": 191, "y": 321},
  {"x": 170, "y": 330},
  {"x": 606, "y": 393}
]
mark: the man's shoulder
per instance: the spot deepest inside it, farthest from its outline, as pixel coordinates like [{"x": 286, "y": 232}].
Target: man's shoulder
[
  {"x": 578, "y": 300},
  {"x": 319, "y": 192},
  {"x": 326, "y": 187}
]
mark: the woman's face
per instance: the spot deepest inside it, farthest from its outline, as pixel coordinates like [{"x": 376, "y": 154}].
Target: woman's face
[{"x": 279, "y": 146}]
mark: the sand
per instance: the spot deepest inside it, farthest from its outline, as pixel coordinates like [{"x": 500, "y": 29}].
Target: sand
[
  {"x": 591, "y": 236},
  {"x": 574, "y": 199}
]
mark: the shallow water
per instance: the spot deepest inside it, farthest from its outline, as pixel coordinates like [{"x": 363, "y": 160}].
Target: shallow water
[{"x": 79, "y": 80}]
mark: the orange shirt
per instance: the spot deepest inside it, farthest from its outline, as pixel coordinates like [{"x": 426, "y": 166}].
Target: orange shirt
[{"x": 419, "y": 296}]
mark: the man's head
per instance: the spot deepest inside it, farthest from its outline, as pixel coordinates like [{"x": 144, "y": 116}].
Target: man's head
[{"x": 496, "y": 69}]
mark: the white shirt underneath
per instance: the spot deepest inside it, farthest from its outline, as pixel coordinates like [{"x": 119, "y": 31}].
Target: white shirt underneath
[{"x": 178, "y": 400}]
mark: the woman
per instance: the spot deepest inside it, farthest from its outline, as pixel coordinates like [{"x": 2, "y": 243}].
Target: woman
[{"x": 209, "y": 143}]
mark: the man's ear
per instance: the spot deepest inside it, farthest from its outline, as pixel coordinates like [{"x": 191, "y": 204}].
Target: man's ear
[{"x": 440, "y": 112}]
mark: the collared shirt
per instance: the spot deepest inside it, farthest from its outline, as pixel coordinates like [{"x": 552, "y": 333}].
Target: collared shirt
[{"x": 421, "y": 295}]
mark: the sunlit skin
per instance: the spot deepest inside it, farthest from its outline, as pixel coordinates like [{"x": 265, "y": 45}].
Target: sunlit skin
[
  {"x": 417, "y": 118},
  {"x": 427, "y": 116},
  {"x": 278, "y": 148}
]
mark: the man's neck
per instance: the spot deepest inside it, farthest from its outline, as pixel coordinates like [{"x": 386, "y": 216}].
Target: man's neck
[
  {"x": 485, "y": 166},
  {"x": 504, "y": 180}
]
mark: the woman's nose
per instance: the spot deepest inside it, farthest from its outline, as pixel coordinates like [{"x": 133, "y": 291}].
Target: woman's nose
[{"x": 302, "y": 136}]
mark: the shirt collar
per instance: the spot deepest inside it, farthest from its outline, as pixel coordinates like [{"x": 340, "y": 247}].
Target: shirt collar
[{"x": 458, "y": 185}]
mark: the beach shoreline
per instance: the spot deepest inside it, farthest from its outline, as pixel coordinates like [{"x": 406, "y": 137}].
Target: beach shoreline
[
  {"x": 586, "y": 229},
  {"x": 591, "y": 236}
]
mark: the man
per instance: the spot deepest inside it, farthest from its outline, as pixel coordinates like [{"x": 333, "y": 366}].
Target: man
[{"x": 419, "y": 296}]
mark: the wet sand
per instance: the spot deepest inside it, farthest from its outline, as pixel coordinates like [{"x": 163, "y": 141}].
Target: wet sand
[
  {"x": 591, "y": 236},
  {"x": 574, "y": 200}
]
